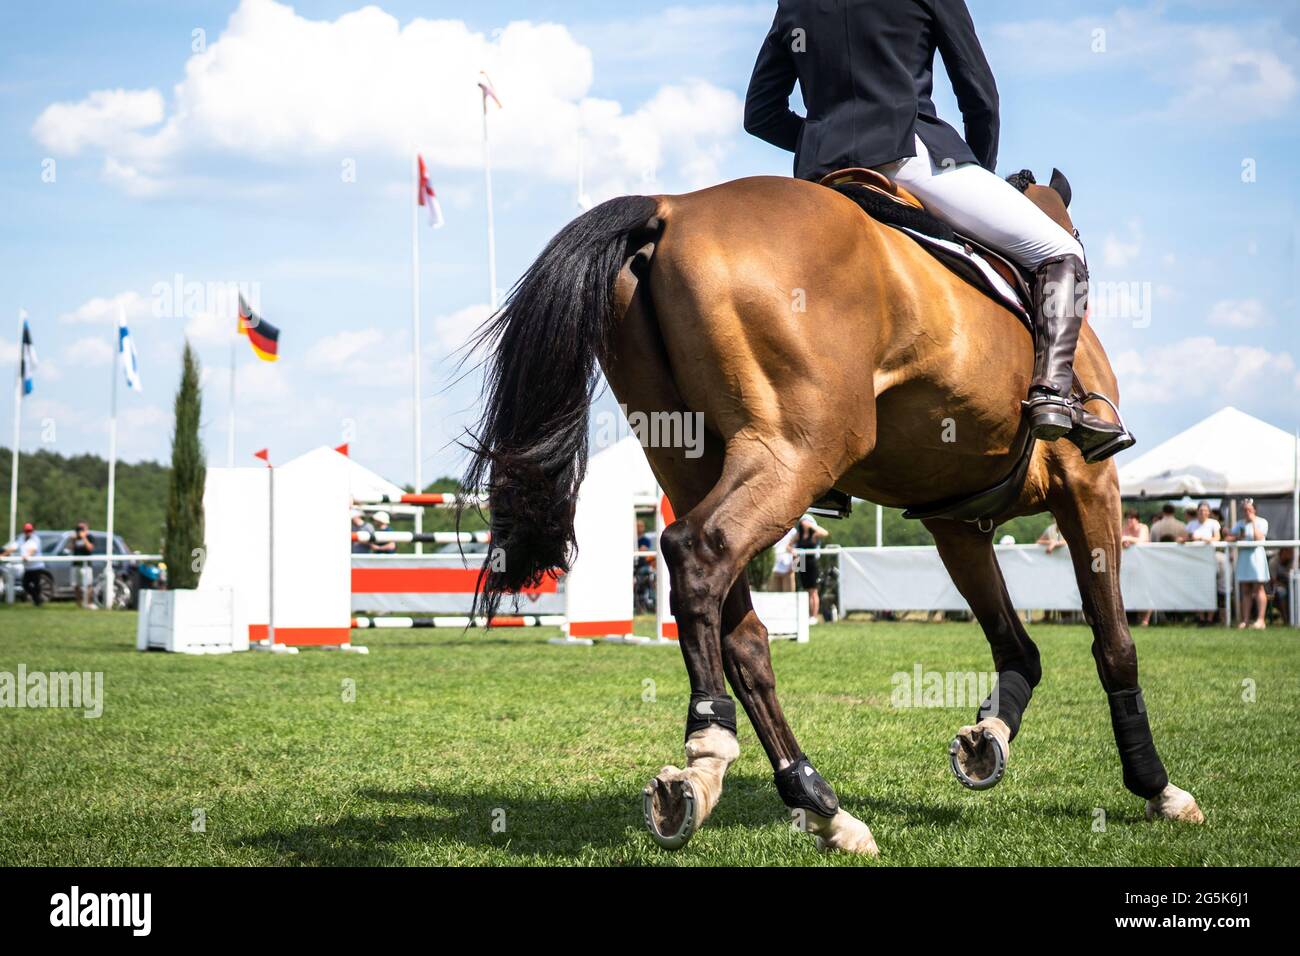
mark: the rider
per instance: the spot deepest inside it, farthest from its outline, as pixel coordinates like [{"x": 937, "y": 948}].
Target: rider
[{"x": 866, "y": 72}]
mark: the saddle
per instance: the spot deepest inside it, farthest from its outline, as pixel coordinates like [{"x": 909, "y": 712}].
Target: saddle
[
  {"x": 993, "y": 274},
  {"x": 892, "y": 205}
]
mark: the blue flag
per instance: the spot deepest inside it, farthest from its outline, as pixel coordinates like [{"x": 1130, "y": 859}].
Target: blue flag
[
  {"x": 126, "y": 351},
  {"x": 27, "y": 359}
]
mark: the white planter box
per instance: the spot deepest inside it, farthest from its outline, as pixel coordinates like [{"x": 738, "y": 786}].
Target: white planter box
[
  {"x": 188, "y": 622},
  {"x": 783, "y": 613}
]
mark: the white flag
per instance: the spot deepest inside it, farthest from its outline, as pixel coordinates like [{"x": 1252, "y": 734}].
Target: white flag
[{"x": 126, "y": 351}]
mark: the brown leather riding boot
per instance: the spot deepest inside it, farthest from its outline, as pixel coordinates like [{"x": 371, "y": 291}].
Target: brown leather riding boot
[{"x": 1060, "y": 300}]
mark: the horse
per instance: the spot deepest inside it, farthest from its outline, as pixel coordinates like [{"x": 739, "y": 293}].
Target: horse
[{"x": 823, "y": 351}]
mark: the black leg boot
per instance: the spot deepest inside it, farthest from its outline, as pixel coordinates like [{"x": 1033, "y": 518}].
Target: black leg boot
[{"x": 1060, "y": 300}]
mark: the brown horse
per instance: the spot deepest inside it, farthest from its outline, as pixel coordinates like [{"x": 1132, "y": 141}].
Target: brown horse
[{"x": 823, "y": 351}]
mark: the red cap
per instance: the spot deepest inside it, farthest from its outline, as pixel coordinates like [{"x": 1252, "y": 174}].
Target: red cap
[{"x": 28, "y": 527}]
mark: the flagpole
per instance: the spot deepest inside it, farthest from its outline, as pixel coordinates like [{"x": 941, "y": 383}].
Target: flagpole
[
  {"x": 18, "y": 417},
  {"x": 230, "y": 429},
  {"x": 112, "y": 458},
  {"x": 270, "y": 554},
  {"x": 491, "y": 225},
  {"x": 416, "y": 423}
]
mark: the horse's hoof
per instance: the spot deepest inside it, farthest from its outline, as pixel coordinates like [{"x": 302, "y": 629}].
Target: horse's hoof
[
  {"x": 670, "y": 809},
  {"x": 1172, "y": 803},
  {"x": 978, "y": 755},
  {"x": 842, "y": 833}
]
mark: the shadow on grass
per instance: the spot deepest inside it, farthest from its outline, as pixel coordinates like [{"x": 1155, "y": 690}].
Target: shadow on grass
[
  {"x": 555, "y": 827},
  {"x": 536, "y": 825}
]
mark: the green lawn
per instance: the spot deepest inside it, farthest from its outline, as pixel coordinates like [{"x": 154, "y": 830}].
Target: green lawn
[{"x": 449, "y": 732}]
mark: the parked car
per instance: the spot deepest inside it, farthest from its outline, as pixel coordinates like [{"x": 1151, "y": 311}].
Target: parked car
[{"x": 59, "y": 579}]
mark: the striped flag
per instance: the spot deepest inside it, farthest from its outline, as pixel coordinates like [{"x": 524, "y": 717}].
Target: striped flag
[
  {"x": 126, "y": 351},
  {"x": 27, "y": 358},
  {"x": 489, "y": 92},
  {"x": 428, "y": 197},
  {"x": 262, "y": 335}
]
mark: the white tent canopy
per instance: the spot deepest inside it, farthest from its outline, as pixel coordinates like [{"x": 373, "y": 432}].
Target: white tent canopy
[{"x": 1230, "y": 453}]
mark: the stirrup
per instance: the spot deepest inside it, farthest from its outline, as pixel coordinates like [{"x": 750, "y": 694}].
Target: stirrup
[
  {"x": 833, "y": 504},
  {"x": 1097, "y": 438}
]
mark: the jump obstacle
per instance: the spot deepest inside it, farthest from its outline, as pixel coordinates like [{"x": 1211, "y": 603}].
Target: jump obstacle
[{"x": 292, "y": 582}]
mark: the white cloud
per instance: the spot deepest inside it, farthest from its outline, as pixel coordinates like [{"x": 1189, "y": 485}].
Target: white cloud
[
  {"x": 1200, "y": 367},
  {"x": 1238, "y": 314},
  {"x": 276, "y": 86},
  {"x": 104, "y": 119},
  {"x": 256, "y": 382},
  {"x": 90, "y": 351},
  {"x": 1217, "y": 73},
  {"x": 104, "y": 310},
  {"x": 336, "y": 352},
  {"x": 209, "y": 328},
  {"x": 452, "y": 332},
  {"x": 1118, "y": 253},
  {"x": 1232, "y": 84}
]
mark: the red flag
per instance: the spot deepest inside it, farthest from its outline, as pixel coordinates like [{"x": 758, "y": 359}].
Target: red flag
[
  {"x": 265, "y": 455},
  {"x": 489, "y": 93},
  {"x": 427, "y": 197},
  {"x": 342, "y": 450}
]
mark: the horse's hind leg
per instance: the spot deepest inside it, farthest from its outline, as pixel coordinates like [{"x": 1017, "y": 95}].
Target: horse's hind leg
[
  {"x": 980, "y": 751},
  {"x": 1086, "y": 505},
  {"x": 747, "y": 656},
  {"x": 763, "y": 490}
]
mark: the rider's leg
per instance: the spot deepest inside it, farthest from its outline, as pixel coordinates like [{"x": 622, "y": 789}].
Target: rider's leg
[
  {"x": 977, "y": 203},
  {"x": 982, "y": 205}
]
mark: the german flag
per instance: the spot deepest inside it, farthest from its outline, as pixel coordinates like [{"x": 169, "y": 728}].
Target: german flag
[{"x": 262, "y": 335}]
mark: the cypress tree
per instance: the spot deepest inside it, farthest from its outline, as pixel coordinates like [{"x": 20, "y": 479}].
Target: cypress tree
[{"x": 183, "y": 534}]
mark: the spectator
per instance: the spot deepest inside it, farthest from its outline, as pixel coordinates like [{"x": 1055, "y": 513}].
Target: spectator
[
  {"x": 361, "y": 526},
  {"x": 783, "y": 569},
  {"x": 83, "y": 571},
  {"x": 1051, "y": 538},
  {"x": 1135, "y": 532},
  {"x": 382, "y": 522},
  {"x": 643, "y": 572},
  {"x": 810, "y": 536},
  {"x": 1281, "y": 566},
  {"x": 1205, "y": 529},
  {"x": 644, "y": 542},
  {"x": 1167, "y": 528},
  {"x": 1252, "y": 566},
  {"x": 28, "y": 548}
]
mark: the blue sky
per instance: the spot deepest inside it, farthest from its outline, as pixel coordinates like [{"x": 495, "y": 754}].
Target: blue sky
[{"x": 270, "y": 149}]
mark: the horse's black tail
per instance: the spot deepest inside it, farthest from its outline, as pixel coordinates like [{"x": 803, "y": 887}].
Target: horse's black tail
[{"x": 530, "y": 448}]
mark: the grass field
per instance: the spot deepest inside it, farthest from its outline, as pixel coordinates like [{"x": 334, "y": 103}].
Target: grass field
[{"x": 450, "y": 733}]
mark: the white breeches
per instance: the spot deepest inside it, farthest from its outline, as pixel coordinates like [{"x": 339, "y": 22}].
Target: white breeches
[{"x": 982, "y": 205}]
